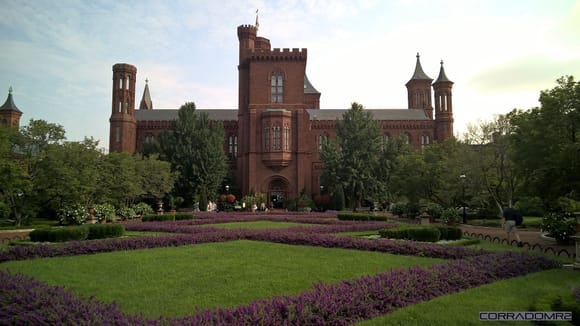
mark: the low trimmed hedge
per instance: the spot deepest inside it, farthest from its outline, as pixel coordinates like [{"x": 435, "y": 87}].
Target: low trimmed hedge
[
  {"x": 60, "y": 234},
  {"x": 167, "y": 217},
  {"x": 77, "y": 233},
  {"x": 103, "y": 231},
  {"x": 422, "y": 233},
  {"x": 360, "y": 217}
]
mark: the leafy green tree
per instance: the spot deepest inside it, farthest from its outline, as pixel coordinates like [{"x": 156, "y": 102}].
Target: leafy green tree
[
  {"x": 156, "y": 178},
  {"x": 14, "y": 178},
  {"x": 388, "y": 166},
  {"x": 194, "y": 147},
  {"x": 67, "y": 174},
  {"x": 352, "y": 159},
  {"x": 546, "y": 142},
  {"x": 119, "y": 182}
]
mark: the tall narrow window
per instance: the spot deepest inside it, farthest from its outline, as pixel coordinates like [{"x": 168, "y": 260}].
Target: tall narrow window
[
  {"x": 120, "y": 83},
  {"x": 322, "y": 138},
  {"x": 277, "y": 87},
  {"x": 120, "y": 106},
  {"x": 127, "y": 106},
  {"x": 128, "y": 83},
  {"x": 277, "y": 139},
  {"x": 235, "y": 146},
  {"x": 266, "y": 139},
  {"x": 404, "y": 139},
  {"x": 286, "y": 138},
  {"x": 118, "y": 134},
  {"x": 425, "y": 140},
  {"x": 231, "y": 147}
]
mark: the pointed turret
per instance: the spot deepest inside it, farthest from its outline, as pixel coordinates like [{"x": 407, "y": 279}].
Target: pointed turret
[
  {"x": 442, "y": 77},
  {"x": 419, "y": 74},
  {"x": 419, "y": 90},
  {"x": 443, "y": 106},
  {"x": 10, "y": 112},
  {"x": 146, "y": 103}
]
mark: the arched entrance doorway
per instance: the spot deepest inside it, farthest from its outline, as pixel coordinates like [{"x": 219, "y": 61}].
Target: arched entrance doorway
[{"x": 277, "y": 192}]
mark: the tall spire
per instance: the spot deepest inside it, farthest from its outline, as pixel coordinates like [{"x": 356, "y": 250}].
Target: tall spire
[
  {"x": 146, "y": 103},
  {"x": 257, "y": 23},
  {"x": 442, "y": 77},
  {"x": 9, "y": 104},
  {"x": 419, "y": 73}
]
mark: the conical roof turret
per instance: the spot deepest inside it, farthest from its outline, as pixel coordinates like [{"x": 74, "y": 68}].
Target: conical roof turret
[
  {"x": 9, "y": 104},
  {"x": 442, "y": 77},
  {"x": 419, "y": 74}
]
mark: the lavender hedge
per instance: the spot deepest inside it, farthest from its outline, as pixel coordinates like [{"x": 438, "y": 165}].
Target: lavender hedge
[
  {"x": 26, "y": 301},
  {"x": 205, "y": 235}
]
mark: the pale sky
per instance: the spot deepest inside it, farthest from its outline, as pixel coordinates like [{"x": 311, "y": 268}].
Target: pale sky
[{"x": 58, "y": 55}]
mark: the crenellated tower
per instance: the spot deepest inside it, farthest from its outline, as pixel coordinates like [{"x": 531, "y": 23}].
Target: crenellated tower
[
  {"x": 419, "y": 90},
  {"x": 122, "y": 137},
  {"x": 443, "y": 106}
]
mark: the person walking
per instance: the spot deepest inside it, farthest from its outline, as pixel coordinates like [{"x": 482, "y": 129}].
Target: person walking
[{"x": 509, "y": 224}]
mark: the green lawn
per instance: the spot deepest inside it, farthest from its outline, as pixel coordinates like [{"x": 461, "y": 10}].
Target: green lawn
[
  {"x": 257, "y": 225},
  {"x": 463, "y": 308},
  {"x": 173, "y": 281}
]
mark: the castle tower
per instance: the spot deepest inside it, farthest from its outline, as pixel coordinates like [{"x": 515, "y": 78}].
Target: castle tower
[
  {"x": 122, "y": 136},
  {"x": 9, "y": 113},
  {"x": 146, "y": 103},
  {"x": 419, "y": 90},
  {"x": 443, "y": 106}
]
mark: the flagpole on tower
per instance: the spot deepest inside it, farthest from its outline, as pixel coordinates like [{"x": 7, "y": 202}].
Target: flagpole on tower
[{"x": 257, "y": 23}]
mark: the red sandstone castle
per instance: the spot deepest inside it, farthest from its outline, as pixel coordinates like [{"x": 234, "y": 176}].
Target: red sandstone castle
[{"x": 274, "y": 137}]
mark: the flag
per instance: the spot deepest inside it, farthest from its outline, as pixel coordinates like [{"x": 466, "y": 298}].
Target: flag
[{"x": 257, "y": 23}]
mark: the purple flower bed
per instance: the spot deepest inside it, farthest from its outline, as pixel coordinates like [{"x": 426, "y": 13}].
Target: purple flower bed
[
  {"x": 206, "y": 235},
  {"x": 26, "y": 301}
]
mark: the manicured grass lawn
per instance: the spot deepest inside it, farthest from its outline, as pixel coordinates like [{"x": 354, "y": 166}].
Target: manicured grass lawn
[
  {"x": 463, "y": 308},
  {"x": 173, "y": 281},
  {"x": 257, "y": 225}
]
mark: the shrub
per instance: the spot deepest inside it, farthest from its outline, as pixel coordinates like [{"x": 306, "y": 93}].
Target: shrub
[
  {"x": 159, "y": 217},
  {"x": 59, "y": 234},
  {"x": 142, "y": 209},
  {"x": 103, "y": 231},
  {"x": 450, "y": 233},
  {"x": 104, "y": 212},
  {"x": 125, "y": 213},
  {"x": 360, "y": 217},
  {"x": 394, "y": 233},
  {"x": 449, "y": 216},
  {"x": 182, "y": 216},
  {"x": 425, "y": 234},
  {"x": 530, "y": 206},
  {"x": 559, "y": 225},
  {"x": 74, "y": 214},
  {"x": 434, "y": 210},
  {"x": 337, "y": 201}
]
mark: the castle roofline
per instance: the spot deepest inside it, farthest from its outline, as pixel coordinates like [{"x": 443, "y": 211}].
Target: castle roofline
[
  {"x": 442, "y": 77},
  {"x": 9, "y": 104}
]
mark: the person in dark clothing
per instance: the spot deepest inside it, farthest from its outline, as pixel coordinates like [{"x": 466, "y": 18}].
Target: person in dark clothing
[{"x": 509, "y": 224}]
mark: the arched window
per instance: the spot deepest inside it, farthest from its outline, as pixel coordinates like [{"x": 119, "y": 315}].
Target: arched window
[
  {"x": 232, "y": 147},
  {"x": 266, "y": 139},
  {"x": 385, "y": 144},
  {"x": 128, "y": 83},
  {"x": 277, "y": 87},
  {"x": 277, "y": 143},
  {"x": 322, "y": 139},
  {"x": 127, "y": 106},
  {"x": 117, "y": 134},
  {"x": 286, "y": 138},
  {"x": 405, "y": 138},
  {"x": 120, "y": 83},
  {"x": 120, "y": 106},
  {"x": 425, "y": 140}
]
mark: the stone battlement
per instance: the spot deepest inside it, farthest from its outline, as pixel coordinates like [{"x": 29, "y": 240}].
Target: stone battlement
[{"x": 279, "y": 54}]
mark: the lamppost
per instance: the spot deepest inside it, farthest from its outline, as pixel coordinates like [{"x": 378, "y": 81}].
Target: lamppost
[
  {"x": 227, "y": 189},
  {"x": 321, "y": 189},
  {"x": 462, "y": 178}
]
